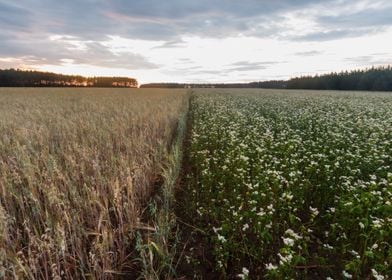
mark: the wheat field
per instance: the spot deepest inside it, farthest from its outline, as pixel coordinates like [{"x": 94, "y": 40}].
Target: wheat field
[{"x": 76, "y": 168}]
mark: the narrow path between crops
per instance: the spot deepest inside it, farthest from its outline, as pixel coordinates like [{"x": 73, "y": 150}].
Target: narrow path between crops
[{"x": 195, "y": 260}]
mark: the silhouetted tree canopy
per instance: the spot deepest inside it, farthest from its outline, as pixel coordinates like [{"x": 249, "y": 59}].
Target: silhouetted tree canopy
[
  {"x": 20, "y": 78},
  {"x": 266, "y": 84},
  {"x": 373, "y": 79}
]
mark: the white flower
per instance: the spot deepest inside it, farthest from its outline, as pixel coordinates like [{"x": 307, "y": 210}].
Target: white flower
[
  {"x": 288, "y": 196},
  {"x": 270, "y": 266},
  {"x": 376, "y": 275},
  {"x": 220, "y": 264},
  {"x": 361, "y": 225},
  {"x": 216, "y": 229},
  {"x": 293, "y": 234},
  {"x": 245, "y": 271},
  {"x": 261, "y": 213},
  {"x": 221, "y": 238},
  {"x": 347, "y": 275},
  {"x": 288, "y": 241},
  {"x": 244, "y": 158},
  {"x": 245, "y": 227},
  {"x": 314, "y": 211},
  {"x": 269, "y": 225},
  {"x": 354, "y": 253},
  {"x": 377, "y": 223},
  {"x": 285, "y": 259},
  {"x": 244, "y": 274}
]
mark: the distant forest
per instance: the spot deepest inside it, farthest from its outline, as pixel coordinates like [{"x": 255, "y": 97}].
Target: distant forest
[
  {"x": 266, "y": 84},
  {"x": 379, "y": 79},
  {"x": 373, "y": 79},
  {"x": 20, "y": 78}
]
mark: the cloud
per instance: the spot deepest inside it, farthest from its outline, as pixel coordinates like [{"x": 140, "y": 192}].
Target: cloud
[
  {"x": 308, "y": 53},
  {"x": 175, "y": 10},
  {"x": 171, "y": 44},
  {"x": 170, "y": 20},
  {"x": 204, "y": 18},
  {"x": 185, "y": 60},
  {"x": 13, "y": 17},
  {"x": 347, "y": 19},
  {"x": 334, "y": 35},
  {"x": 367, "y": 18},
  {"x": 99, "y": 55},
  {"x": 148, "y": 19},
  {"x": 44, "y": 32},
  {"x": 59, "y": 49},
  {"x": 371, "y": 59},
  {"x": 250, "y": 66}
]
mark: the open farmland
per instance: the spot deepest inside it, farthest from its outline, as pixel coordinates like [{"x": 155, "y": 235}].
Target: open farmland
[
  {"x": 274, "y": 184},
  {"x": 76, "y": 168},
  {"x": 289, "y": 184}
]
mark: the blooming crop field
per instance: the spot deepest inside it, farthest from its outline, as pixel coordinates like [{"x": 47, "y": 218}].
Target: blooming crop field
[{"x": 293, "y": 185}]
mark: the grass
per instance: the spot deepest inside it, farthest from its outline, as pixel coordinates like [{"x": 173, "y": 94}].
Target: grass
[{"x": 77, "y": 168}]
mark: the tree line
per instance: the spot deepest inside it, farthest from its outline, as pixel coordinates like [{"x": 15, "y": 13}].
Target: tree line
[
  {"x": 21, "y": 78},
  {"x": 265, "y": 84},
  {"x": 372, "y": 79}
]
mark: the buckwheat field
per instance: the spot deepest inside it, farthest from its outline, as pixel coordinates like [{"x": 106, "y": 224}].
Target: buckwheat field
[{"x": 293, "y": 185}]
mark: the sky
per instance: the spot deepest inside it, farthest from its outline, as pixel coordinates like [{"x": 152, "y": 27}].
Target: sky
[{"x": 201, "y": 41}]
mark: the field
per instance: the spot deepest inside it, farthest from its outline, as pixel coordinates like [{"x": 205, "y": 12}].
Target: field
[
  {"x": 76, "y": 169},
  {"x": 291, "y": 185},
  {"x": 273, "y": 184}
]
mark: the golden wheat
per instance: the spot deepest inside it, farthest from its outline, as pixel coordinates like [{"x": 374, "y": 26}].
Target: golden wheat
[{"x": 76, "y": 166}]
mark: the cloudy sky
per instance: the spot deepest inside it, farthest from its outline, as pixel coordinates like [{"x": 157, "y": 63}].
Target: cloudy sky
[{"x": 195, "y": 40}]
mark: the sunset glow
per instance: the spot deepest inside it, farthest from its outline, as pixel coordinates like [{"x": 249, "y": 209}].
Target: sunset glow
[{"x": 187, "y": 41}]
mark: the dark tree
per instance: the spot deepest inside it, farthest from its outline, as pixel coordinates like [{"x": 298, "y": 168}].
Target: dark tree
[
  {"x": 372, "y": 79},
  {"x": 20, "y": 78}
]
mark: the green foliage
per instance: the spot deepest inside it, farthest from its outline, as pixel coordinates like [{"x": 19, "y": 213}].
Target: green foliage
[{"x": 294, "y": 185}]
